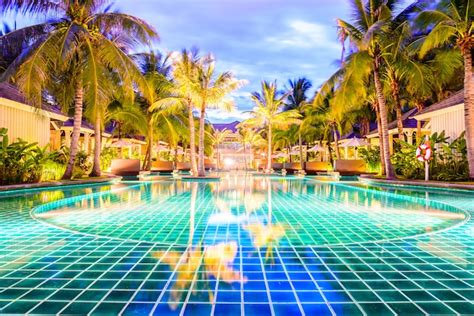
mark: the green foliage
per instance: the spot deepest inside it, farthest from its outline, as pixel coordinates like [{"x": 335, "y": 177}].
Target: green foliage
[
  {"x": 371, "y": 156},
  {"x": 106, "y": 157},
  {"x": 83, "y": 165},
  {"x": 448, "y": 160},
  {"x": 23, "y": 162}
]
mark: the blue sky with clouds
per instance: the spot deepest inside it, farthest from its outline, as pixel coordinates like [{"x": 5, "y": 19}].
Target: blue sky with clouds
[{"x": 255, "y": 39}]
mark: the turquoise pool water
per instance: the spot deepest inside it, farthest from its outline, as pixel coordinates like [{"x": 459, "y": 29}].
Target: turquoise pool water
[{"x": 244, "y": 245}]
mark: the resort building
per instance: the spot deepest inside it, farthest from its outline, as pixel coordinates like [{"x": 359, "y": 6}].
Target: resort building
[
  {"x": 446, "y": 115},
  {"x": 411, "y": 127},
  {"x": 231, "y": 151},
  {"x": 38, "y": 125},
  {"x": 45, "y": 125}
]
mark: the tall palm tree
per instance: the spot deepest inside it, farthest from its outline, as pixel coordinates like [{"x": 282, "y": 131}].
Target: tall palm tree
[
  {"x": 250, "y": 138},
  {"x": 79, "y": 41},
  {"x": 157, "y": 86},
  {"x": 297, "y": 100},
  {"x": 452, "y": 23},
  {"x": 185, "y": 72},
  {"x": 268, "y": 114},
  {"x": 370, "y": 33},
  {"x": 218, "y": 138},
  {"x": 210, "y": 89}
]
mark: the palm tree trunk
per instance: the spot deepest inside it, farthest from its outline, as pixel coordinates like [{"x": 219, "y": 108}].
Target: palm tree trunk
[
  {"x": 300, "y": 143},
  {"x": 389, "y": 172},
  {"x": 96, "y": 172},
  {"x": 192, "y": 140},
  {"x": 398, "y": 110},
  {"x": 76, "y": 130},
  {"x": 269, "y": 149},
  {"x": 379, "y": 130},
  {"x": 201, "y": 168},
  {"x": 336, "y": 142},
  {"x": 245, "y": 157},
  {"x": 149, "y": 148},
  {"x": 469, "y": 108}
]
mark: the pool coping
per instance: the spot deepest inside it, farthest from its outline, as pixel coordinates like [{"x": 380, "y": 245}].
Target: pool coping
[
  {"x": 418, "y": 183},
  {"x": 52, "y": 184}
]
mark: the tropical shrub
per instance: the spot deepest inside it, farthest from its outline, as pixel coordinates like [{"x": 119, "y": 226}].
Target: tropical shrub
[
  {"x": 23, "y": 162},
  {"x": 448, "y": 160},
  {"x": 83, "y": 165},
  {"x": 106, "y": 157},
  {"x": 371, "y": 156}
]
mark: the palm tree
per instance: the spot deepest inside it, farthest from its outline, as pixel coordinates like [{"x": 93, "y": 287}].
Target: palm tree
[
  {"x": 451, "y": 23},
  {"x": 218, "y": 138},
  {"x": 81, "y": 42},
  {"x": 157, "y": 86},
  {"x": 370, "y": 33},
  {"x": 249, "y": 136},
  {"x": 297, "y": 100},
  {"x": 268, "y": 114},
  {"x": 209, "y": 89},
  {"x": 185, "y": 72}
]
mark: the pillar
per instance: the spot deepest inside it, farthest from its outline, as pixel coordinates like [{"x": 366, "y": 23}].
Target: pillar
[
  {"x": 390, "y": 143},
  {"x": 410, "y": 138},
  {"x": 67, "y": 138},
  {"x": 86, "y": 142}
]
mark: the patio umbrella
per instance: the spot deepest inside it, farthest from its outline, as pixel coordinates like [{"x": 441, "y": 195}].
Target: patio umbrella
[
  {"x": 121, "y": 143},
  {"x": 316, "y": 148},
  {"x": 161, "y": 148},
  {"x": 279, "y": 155},
  {"x": 354, "y": 142}
]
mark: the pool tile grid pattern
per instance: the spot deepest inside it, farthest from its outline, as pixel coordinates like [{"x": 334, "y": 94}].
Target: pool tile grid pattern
[{"x": 47, "y": 270}]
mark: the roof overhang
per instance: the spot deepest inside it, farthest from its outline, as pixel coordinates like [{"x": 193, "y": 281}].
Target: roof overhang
[
  {"x": 31, "y": 109},
  {"x": 428, "y": 115}
]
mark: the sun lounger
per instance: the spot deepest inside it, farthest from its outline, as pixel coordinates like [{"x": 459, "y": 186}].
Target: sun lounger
[
  {"x": 350, "y": 167},
  {"x": 162, "y": 166},
  {"x": 125, "y": 167},
  {"x": 313, "y": 167}
]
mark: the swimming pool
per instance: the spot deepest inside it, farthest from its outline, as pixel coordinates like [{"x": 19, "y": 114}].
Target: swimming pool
[{"x": 244, "y": 245}]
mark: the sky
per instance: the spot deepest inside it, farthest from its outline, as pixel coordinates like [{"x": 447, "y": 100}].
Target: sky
[{"x": 254, "y": 39}]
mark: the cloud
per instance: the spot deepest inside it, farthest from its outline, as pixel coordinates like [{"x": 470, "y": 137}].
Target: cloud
[
  {"x": 303, "y": 34},
  {"x": 216, "y": 115}
]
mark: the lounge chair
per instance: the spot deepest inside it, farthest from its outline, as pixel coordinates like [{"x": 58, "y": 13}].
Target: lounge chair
[
  {"x": 183, "y": 166},
  {"x": 125, "y": 167},
  {"x": 315, "y": 167},
  {"x": 162, "y": 166},
  {"x": 350, "y": 167}
]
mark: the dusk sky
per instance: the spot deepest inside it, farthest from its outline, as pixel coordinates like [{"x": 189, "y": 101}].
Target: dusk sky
[{"x": 255, "y": 39}]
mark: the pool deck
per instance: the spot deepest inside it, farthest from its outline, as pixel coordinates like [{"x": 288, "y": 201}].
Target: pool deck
[
  {"x": 25, "y": 186},
  {"x": 419, "y": 183}
]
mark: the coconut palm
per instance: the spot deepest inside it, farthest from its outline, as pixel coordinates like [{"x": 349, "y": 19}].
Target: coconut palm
[
  {"x": 185, "y": 72},
  {"x": 251, "y": 138},
  {"x": 218, "y": 138},
  {"x": 297, "y": 100},
  {"x": 157, "y": 86},
  {"x": 452, "y": 23},
  {"x": 210, "y": 90},
  {"x": 268, "y": 114},
  {"x": 370, "y": 33},
  {"x": 80, "y": 42}
]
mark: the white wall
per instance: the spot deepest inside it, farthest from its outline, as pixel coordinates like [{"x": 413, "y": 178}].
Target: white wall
[
  {"x": 31, "y": 126},
  {"x": 452, "y": 123}
]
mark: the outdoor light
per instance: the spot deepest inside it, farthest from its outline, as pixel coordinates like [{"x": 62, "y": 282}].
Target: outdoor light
[{"x": 228, "y": 162}]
